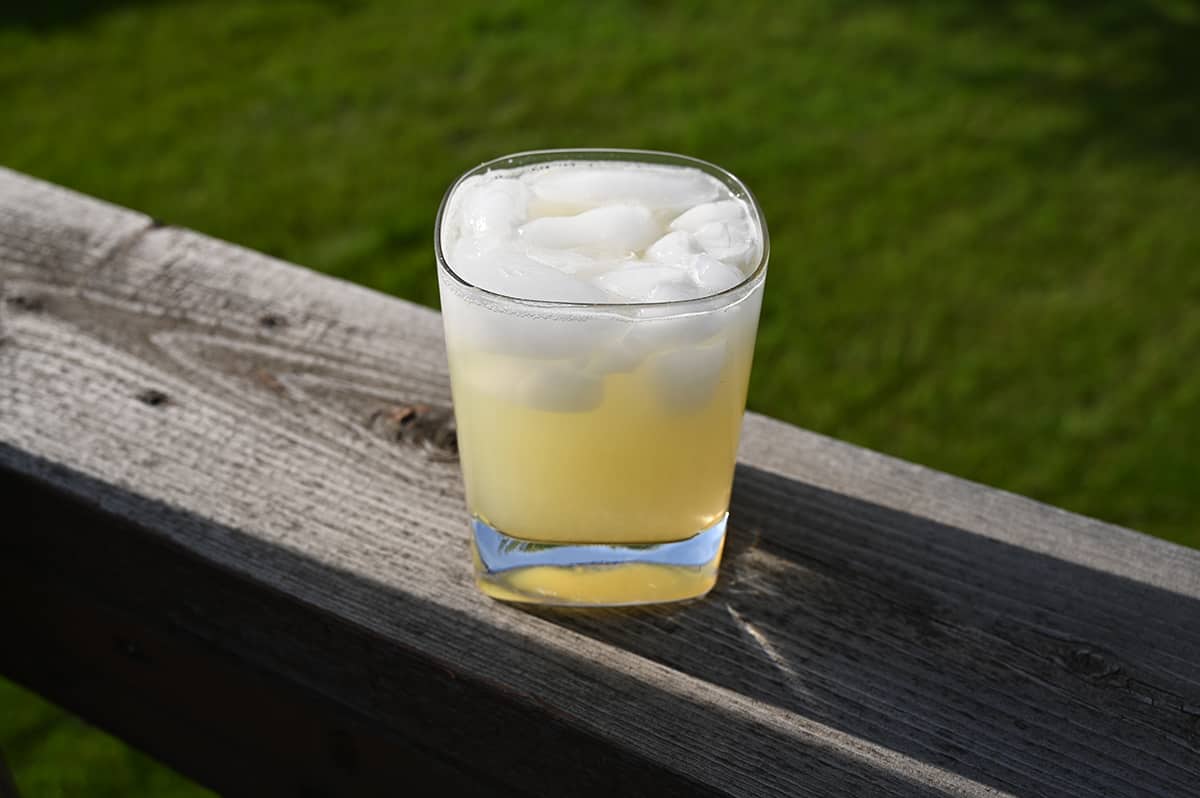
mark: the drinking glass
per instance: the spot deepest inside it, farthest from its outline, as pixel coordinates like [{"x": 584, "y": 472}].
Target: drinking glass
[{"x": 598, "y": 441}]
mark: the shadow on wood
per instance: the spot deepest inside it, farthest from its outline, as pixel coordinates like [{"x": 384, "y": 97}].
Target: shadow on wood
[
  {"x": 964, "y": 652},
  {"x": 246, "y": 690},
  {"x": 954, "y": 650}
]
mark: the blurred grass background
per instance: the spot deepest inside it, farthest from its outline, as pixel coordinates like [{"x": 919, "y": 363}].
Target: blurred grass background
[{"x": 985, "y": 215}]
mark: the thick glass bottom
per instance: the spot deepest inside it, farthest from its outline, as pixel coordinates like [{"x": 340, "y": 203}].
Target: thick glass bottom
[{"x": 595, "y": 575}]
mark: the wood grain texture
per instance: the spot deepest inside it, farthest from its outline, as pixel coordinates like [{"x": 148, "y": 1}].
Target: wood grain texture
[{"x": 879, "y": 628}]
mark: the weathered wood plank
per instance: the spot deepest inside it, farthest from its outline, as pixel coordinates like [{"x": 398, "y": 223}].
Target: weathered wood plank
[{"x": 879, "y": 628}]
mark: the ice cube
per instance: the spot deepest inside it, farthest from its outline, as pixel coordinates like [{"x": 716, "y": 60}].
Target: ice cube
[
  {"x": 515, "y": 275},
  {"x": 529, "y": 279},
  {"x": 561, "y": 388},
  {"x": 495, "y": 375},
  {"x": 580, "y": 188},
  {"x": 685, "y": 379},
  {"x": 714, "y": 276},
  {"x": 497, "y": 328},
  {"x": 567, "y": 261},
  {"x": 727, "y": 241},
  {"x": 641, "y": 282},
  {"x": 467, "y": 260},
  {"x": 674, "y": 248},
  {"x": 616, "y": 357},
  {"x": 650, "y": 334},
  {"x": 554, "y": 386},
  {"x": 678, "y": 292},
  {"x": 695, "y": 218},
  {"x": 495, "y": 209},
  {"x": 613, "y": 229}
]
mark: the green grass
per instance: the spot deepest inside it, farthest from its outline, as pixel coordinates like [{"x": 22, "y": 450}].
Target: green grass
[
  {"x": 53, "y": 754},
  {"x": 984, "y": 214}
]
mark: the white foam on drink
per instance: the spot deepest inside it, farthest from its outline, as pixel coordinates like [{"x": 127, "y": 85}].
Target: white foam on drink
[{"x": 600, "y": 232}]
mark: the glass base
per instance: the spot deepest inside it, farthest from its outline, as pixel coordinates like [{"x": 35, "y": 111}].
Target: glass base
[{"x": 598, "y": 574}]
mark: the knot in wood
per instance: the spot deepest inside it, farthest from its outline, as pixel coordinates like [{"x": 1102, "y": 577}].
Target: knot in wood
[
  {"x": 153, "y": 397},
  {"x": 427, "y": 427},
  {"x": 1092, "y": 664}
]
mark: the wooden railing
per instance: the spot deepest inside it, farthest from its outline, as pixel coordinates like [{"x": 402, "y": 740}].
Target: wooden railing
[{"x": 234, "y": 535}]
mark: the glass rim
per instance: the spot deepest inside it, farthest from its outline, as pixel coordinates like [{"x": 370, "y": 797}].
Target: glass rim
[{"x": 581, "y": 153}]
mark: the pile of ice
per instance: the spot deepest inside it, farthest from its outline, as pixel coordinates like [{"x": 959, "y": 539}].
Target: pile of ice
[{"x": 603, "y": 232}]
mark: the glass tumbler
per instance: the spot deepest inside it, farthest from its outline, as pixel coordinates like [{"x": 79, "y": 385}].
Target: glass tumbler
[{"x": 598, "y": 441}]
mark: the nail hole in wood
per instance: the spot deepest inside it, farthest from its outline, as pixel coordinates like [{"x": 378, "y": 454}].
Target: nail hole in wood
[
  {"x": 1091, "y": 664},
  {"x": 272, "y": 320},
  {"x": 153, "y": 397}
]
